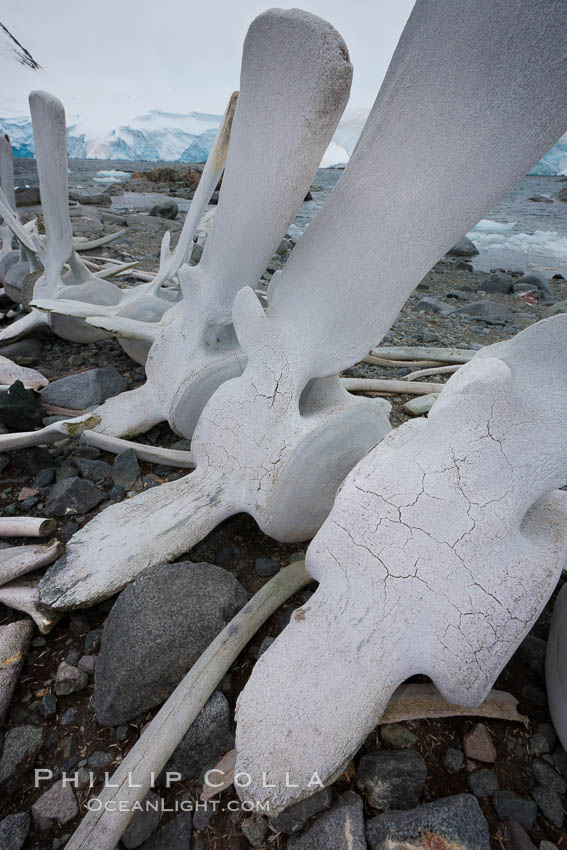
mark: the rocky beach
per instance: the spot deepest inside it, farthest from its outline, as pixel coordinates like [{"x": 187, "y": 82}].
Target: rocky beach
[{"x": 88, "y": 689}]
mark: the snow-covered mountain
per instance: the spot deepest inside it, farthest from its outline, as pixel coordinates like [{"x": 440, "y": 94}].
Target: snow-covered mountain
[{"x": 176, "y": 137}]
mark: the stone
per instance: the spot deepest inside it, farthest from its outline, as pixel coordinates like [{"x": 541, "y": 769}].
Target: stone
[
  {"x": 92, "y": 640},
  {"x": 69, "y": 679},
  {"x": 547, "y": 775},
  {"x": 454, "y": 760},
  {"x": 397, "y": 737},
  {"x": 254, "y": 829},
  {"x": 516, "y": 837},
  {"x": 266, "y": 567},
  {"x": 478, "y": 744},
  {"x": 165, "y": 209},
  {"x": 560, "y": 761},
  {"x": 420, "y": 404},
  {"x": 449, "y": 822},
  {"x": 511, "y": 806},
  {"x": 206, "y": 741},
  {"x": 539, "y": 282},
  {"x": 538, "y": 744},
  {"x": 144, "y": 822},
  {"x": 84, "y": 390},
  {"x": 182, "y": 607},
  {"x": 22, "y": 348},
  {"x": 486, "y": 311},
  {"x": 14, "y": 642},
  {"x": 532, "y": 651},
  {"x": 55, "y": 807},
  {"x": 69, "y": 717},
  {"x": 294, "y": 818},
  {"x": 87, "y": 663},
  {"x": 14, "y": 831},
  {"x": 27, "y": 196},
  {"x": 95, "y": 470},
  {"x": 73, "y": 496},
  {"x": 341, "y": 828},
  {"x": 21, "y": 747},
  {"x": 433, "y": 305},
  {"x": 464, "y": 248},
  {"x": 498, "y": 282},
  {"x": 175, "y": 835},
  {"x": 99, "y": 760},
  {"x": 125, "y": 469},
  {"x": 556, "y": 309},
  {"x": 548, "y": 732},
  {"x": 97, "y": 199},
  {"x": 550, "y": 805},
  {"x": 20, "y": 409},
  {"x": 483, "y": 783},
  {"x": 392, "y": 779},
  {"x": 48, "y": 706}
]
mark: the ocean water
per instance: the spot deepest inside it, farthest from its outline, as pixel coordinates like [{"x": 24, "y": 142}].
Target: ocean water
[{"x": 516, "y": 234}]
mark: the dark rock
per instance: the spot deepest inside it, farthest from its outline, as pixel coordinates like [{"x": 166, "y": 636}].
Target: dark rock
[
  {"x": 156, "y": 630},
  {"x": 392, "y": 779},
  {"x": 550, "y": 805},
  {"x": 44, "y": 478},
  {"x": 498, "y": 282},
  {"x": 548, "y": 776},
  {"x": 85, "y": 389},
  {"x": 20, "y": 409},
  {"x": 55, "y": 807},
  {"x": 66, "y": 470},
  {"x": 556, "y": 309},
  {"x": 225, "y": 554},
  {"x": 48, "y": 706},
  {"x": 175, "y": 835},
  {"x": 341, "y": 828},
  {"x": 450, "y": 822},
  {"x": 532, "y": 651},
  {"x": 73, "y": 496},
  {"x": 516, "y": 837},
  {"x": 33, "y": 459},
  {"x": 202, "y": 814},
  {"x": 79, "y": 625},
  {"x": 125, "y": 469},
  {"x": 463, "y": 248},
  {"x": 209, "y": 738},
  {"x": 295, "y": 817},
  {"x": 69, "y": 717},
  {"x": 486, "y": 311},
  {"x": 95, "y": 470},
  {"x": 26, "y": 348},
  {"x": 254, "y": 829},
  {"x": 534, "y": 694},
  {"x": 92, "y": 640},
  {"x": 87, "y": 664},
  {"x": 21, "y": 746},
  {"x": 454, "y": 760},
  {"x": 560, "y": 760},
  {"x": 538, "y": 744},
  {"x": 165, "y": 209},
  {"x": 14, "y": 831},
  {"x": 69, "y": 679},
  {"x": 510, "y": 806},
  {"x": 266, "y": 567},
  {"x": 27, "y": 196},
  {"x": 99, "y": 760},
  {"x": 97, "y": 199},
  {"x": 397, "y": 737},
  {"x": 483, "y": 783},
  {"x": 144, "y": 822},
  {"x": 548, "y": 732},
  {"x": 478, "y": 745}
]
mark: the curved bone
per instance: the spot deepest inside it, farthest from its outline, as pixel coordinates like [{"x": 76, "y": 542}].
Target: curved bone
[
  {"x": 26, "y": 526},
  {"x": 10, "y": 372},
  {"x": 19, "y": 560},
  {"x": 64, "y": 429},
  {"x": 23, "y": 595},
  {"x": 153, "y": 454},
  {"x": 7, "y": 253},
  {"x": 14, "y": 641},
  {"x": 22, "y": 327},
  {"x": 438, "y": 556},
  {"x": 556, "y": 668}
]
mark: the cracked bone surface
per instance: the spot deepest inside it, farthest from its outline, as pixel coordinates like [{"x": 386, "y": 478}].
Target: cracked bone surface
[
  {"x": 8, "y": 256},
  {"x": 556, "y": 667},
  {"x": 439, "y": 554},
  {"x": 143, "y": 303},
  {"x": 293, "y": 65},
  {"x": 278, "y": 440}
]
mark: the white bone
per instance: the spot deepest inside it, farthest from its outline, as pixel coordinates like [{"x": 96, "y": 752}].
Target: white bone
[
  {"x": 14, "y": 640},
  {"x": 30, "y": 378},
  {"x": 8, "y": 255},
  {"x": 26, "y": 526},
  {"x": 19, "y": 560},
  {"x": 153, "y": 454},
  {"x": 64, "y": 429},
  {"x": 439, "y": 554},
  {"x": 410, "y": 352},
  {"x": 23, "y": 595},
  {"x": 556, "y": 667}
]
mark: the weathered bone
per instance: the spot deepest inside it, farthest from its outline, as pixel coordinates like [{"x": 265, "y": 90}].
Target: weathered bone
[
  {"x": 23, "y": 595},
  {"x": 53, "y": 433},
  {"x": 18, "y": 560},
  {"x": 153, "y": 454},
  {"x": 30, "y": 378},
  {"x": 26, "y": 526},
  {"x": 441, "y": 550},
  {"x": 14, "y": 640},
  {"x": 556, "y": 667},
  {"x": 264, "y": 440},
  {"x": 8, "y": 256}
]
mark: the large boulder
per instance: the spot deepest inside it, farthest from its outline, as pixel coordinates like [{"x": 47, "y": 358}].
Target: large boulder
[
  {"x": 84, "y": 389},
  {"x": 486, "y": 311},
  {"x": 464, "y": 248},
  {"x": 157, "y": 629},
  {"x": 165, "y": 209},
  {"x": 498, "y": 282}
]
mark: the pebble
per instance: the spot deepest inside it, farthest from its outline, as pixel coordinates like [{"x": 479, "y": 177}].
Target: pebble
[
  {"x": 14, "y": 831},
  {"x": 454, "y": 760},
  {"x": 143, "y": 823},
  {"x": 538, "y": 744},
  {"x": 21, "y": 747},
  {"x": 478, "y": 744},
  {"x": 175, "y": 835},
  {"x": 483, "y": 783},
  {"x": 206, "y": 741},
  {"x": 421, "y": 404},
  {"x": 48, "y": 706},
  {"x": 87, "y": 663},
  {"x": 73, "y": 496},
  {"x": 125, "y": 469},
  {"x": 255, "y": 829},
  {"x": 397, "y": 737},
  {"x": 392, "y": 779},
  {"x": 294, "y": 818},
  {"x": 341, "y": 828},
  {"x": 55, "y": 807},
  {"x": 266, "y": 567},
  {"x": 512, "y": 806},
  {"x": 548, "y": 776},
  {"x": 550, "y": 805},
  {"x": 69, "y": 679},
  {"x": 99, "y": 760}
]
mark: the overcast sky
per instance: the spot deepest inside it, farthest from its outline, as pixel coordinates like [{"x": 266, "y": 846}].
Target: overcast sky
[{"x": 111, "y": 60}]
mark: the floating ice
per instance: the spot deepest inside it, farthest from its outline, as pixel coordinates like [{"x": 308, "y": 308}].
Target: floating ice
[
  {"x": 111, "y": 176},
  {"x": 486, "y": 225}
]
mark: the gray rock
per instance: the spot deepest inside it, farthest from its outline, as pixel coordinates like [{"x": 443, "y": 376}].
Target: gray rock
[
  {"x": 392, "y": 779},
  {"x": 29, "y": 196},
  {"x": 560, "y": 760},
  {"x": 483, "y": 783},
  {"x": 254, "y": 830},
  {"x": 48, "y": 706},
  {"x": 95, "y": 470},
  {"x": 28, "y": 347},
  {"x": 14, "y": 831},
  {"x": 87, "y": 663},
  {"x": 538, "y": 281},
  {"x": 176, "y": 835},
  {"x": 498, "y": 282},
  {"x": 556, "y": 309},
  {"x": 266, "y": 567},
  {"x": 207, "y": 740},
  {"x": 99, "y": 760},
  {"x": 165, "y": 209},
  {"x": 69, "y": 679},
  {"x": 55, "y": 807},
  {"x": 202, "y": 814},
  {"x": 452, "y": 821},
  {"x": 97, "y": 199},
  {"x": 21, "y": 746},
  {"x": 532, "y": 652},
  {"x": 463, "y": 248},
  {"x": 14, "y": 642},
  {"x": 538, "y": 744},
  {"x": 69, "y": 717},
  {"x": 295, "y": 817},
  {"x": 486, "y": 311},
  {"x": 548, "y": 776},
  {"x": 156, "y": 630},
  {"x": 73, "y": 496},
  {"x": 550, "y": 805},
  {"x": 397, "y": 737},
  {"x": 125, "y": 469},
  {"x": 515, "y": 837},
  {"x": 433, "y": 305},
  {"x": 454, "y": 760},
  {"x": 548, "y": 732},
  {"x": 510, "y": 806},
  {"x": 85, "y": 389},
  {"x": 144, "y": 822},
  {"x": 341, "y": 828}
]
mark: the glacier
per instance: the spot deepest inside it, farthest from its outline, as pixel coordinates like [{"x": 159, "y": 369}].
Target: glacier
[{"x": 159, "y": 136}]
